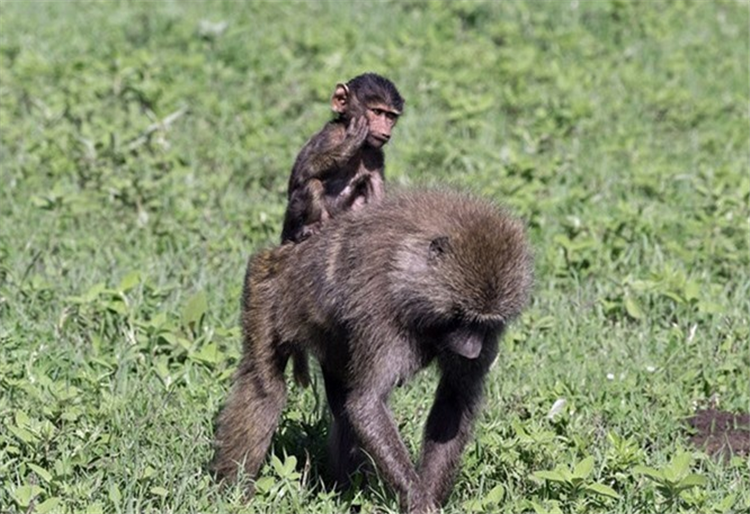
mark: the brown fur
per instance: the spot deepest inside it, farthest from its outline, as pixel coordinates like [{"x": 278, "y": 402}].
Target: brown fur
[
  {"x": 342, "y": 166},
  {"x": 379, "y": 294}
]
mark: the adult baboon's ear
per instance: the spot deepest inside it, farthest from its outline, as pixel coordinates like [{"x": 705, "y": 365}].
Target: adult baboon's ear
[
  {"x": 438, "y": 247},
  {"x": 340, "y": 98}
]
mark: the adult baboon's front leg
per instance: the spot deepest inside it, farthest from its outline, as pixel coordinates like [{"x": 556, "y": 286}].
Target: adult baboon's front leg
[
  {"x": 448, "y": 428},
  {"x": 379, "y": 437}
]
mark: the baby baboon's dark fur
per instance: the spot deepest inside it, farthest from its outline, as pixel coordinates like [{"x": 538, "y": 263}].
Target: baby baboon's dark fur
[
  {"x": 342, "y": 167},
  {"x": 376, "y": 296}
]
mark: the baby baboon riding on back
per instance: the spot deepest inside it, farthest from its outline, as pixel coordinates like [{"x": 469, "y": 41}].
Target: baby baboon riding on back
[{"x": 342, "y": 166}]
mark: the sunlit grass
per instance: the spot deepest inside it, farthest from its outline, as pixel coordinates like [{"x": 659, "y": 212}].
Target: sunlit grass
[{"x": 618, "y": 130}]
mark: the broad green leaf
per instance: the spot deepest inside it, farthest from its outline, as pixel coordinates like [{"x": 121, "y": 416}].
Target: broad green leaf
[
  {"x": 93, "y": 293},
  {"x": 129, "y": 281},
  {"x": 43, "y": 473},
  {"x": 171, "y": 338},
  {"x": 148, "y": 472},
  {"x": 473, "y": 506},
  {"x": 553, "y": 476},
  {"x": 49, "y": 505},
  {"x": 550, "y": 507},
  {"x": 584, "y": 468},
  {"x": 25, "y": 493},
  {"x": 263, "y": 485},
  {"x": 159, "y": 319},
  {"x": 633, "y": 308},
  {"x": 72, "y": 413},
  {"x": 679, "y": 466},
  {"x": 22, "y": 419},
  {"x": 63, "y": 468},
  {"x": 209, "y": 354},
  {"x": 692, "y": 480},
  {"x": 184, "y": 343},
  {"x": 518, "y": 428},
  {"x": 692, "y": 290},
  {"x": 602, "y": 490},
  {"x": 708, "y": 307},
  {"x": 159, "y": 491},
  {"x": 194, "y": 309},
  {"x": 673, "y": 296},
  {"x": 96, "y": 343},
  {"x": 495, "y": 495},
  {"x": 23, "y": 434},
  {"x": 539, "y": 509},
  {"x": 277, "y": 465},
  {"x": 290, "y": 464},
  {"x": 285, "y": 469},
  {"x": 94, "y": 508},
  {"x": 117, "y": 305},
  {"x": 725, "y": 504},
  {"x": 115, "y": 496},
  {"x": 652, "y": 473},
  {"x": 563, "y": 241},
  {"x": 565, "y": 473}
]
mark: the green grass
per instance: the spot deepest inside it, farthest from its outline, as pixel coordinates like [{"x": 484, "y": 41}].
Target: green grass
[{"x": 618, "y": 130}]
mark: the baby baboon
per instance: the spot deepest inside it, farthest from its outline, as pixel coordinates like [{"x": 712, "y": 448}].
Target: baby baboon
[
  {"x": 341, "y": 167},
  {"x": 376, "y": 296}
]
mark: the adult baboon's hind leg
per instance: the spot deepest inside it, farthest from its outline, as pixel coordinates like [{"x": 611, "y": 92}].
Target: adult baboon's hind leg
[
  {"x": 250, "y": 416},
  {"x": 343, "y": 450}
]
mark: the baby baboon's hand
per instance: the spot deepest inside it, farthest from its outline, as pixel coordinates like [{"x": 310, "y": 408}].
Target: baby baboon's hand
[{"x": 356, "y": 134}]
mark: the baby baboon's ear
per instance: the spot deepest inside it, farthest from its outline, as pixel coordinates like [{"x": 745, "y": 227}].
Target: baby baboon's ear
[{"x": 340, "y": 99}]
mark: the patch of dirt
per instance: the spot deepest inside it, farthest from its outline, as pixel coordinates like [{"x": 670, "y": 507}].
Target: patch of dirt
[{"x": 721, "y": 434}]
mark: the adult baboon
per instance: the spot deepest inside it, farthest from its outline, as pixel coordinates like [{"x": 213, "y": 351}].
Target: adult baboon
[{"x": 376, "y": 296}]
